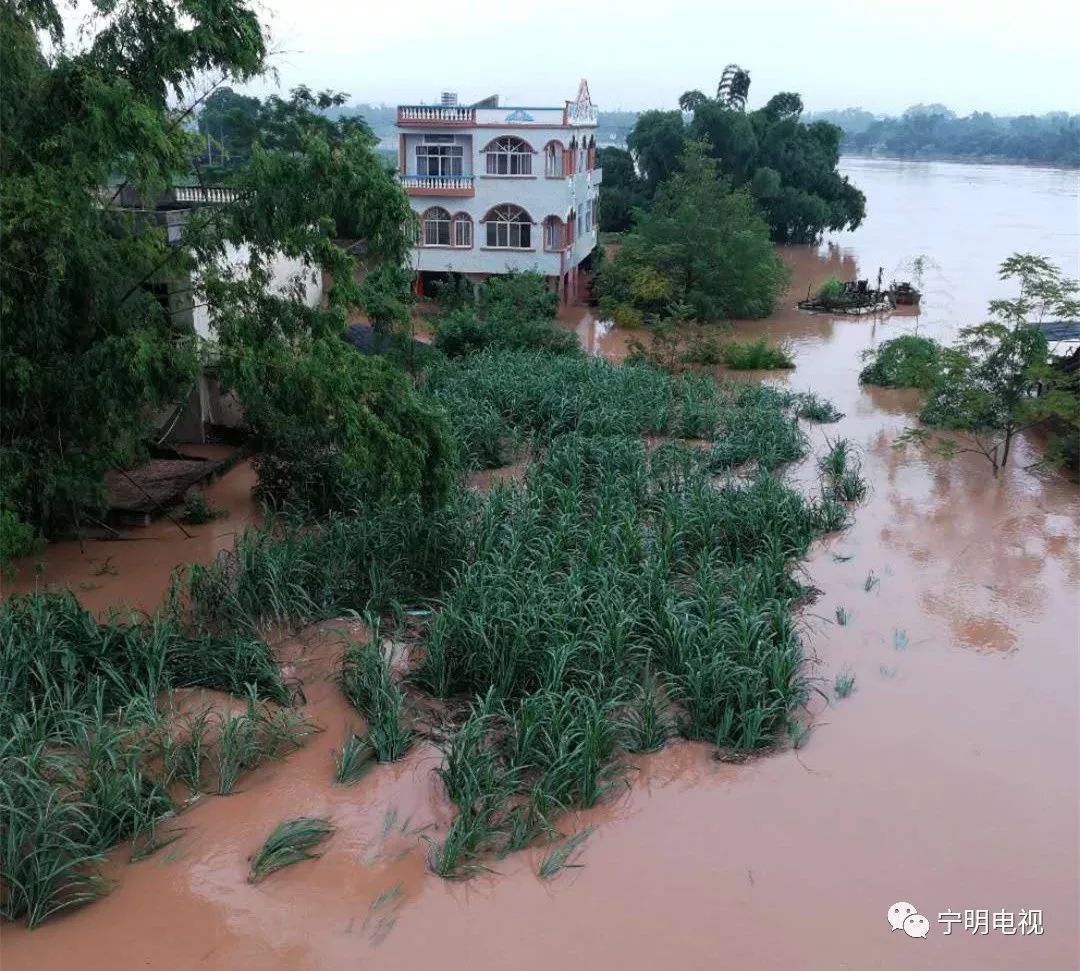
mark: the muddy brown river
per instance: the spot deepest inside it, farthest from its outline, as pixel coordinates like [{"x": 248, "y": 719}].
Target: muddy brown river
[{"x": 948, "y": 779}]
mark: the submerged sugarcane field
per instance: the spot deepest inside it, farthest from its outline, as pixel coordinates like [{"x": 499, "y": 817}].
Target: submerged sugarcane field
[
  {"x": 497, "y": 527},
  {"x": 639, "y": 583}
]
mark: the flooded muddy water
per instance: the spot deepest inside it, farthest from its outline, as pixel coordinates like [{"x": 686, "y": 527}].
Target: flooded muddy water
[
  {"x": 948, "y": 779},
  {"x": 133, "y": 571}
]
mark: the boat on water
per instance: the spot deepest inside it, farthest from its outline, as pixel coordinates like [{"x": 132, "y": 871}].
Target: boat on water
[
  {"x": 904, "y": 295},
  {"x": 853, "y": 298}
]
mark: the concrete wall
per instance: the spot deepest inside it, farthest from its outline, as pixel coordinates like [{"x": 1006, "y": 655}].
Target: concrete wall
[{"x": 287, "y": 275}]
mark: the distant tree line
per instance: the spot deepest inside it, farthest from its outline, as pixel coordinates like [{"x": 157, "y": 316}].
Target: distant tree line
[{"x": 933, "y": 131}]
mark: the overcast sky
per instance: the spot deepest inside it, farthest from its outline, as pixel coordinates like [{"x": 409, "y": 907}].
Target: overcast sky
[{"x": 1004, "y": 56}]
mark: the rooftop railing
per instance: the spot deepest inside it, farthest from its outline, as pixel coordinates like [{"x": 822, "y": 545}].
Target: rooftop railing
[{"x": 425, "y": 114}]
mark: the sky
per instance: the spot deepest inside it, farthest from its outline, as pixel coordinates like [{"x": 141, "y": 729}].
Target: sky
[{"x": 1002, "y": 56}]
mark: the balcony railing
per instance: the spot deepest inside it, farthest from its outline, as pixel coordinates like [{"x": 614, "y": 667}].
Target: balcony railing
[
  {"x": 435, "y": 184},
  {"x": 435, "y": 114},
  {"x": 204, "y": 194}
]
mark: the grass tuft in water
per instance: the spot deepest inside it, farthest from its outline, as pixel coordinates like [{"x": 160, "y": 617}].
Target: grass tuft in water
[
  {"x": 558, "y": 859},
  {"x": 844, "y": 684},
  {"x": 843, "y": 615},
  {"x": 757, "y": 355},
  {"x": 291, "y": 841},
  {"x": 808, "y": 405},
  {"x": 366, "y": 681},
  {"x": 354, "y": 759}
]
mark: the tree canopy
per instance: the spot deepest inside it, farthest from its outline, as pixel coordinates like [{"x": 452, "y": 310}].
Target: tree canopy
[
  {"x": 90, "y": 354},
  {"x": 788, "y": 167},
  {"x": 700, "y": 245}
]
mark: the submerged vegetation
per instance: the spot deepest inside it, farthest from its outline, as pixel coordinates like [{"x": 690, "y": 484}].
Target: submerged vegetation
[
  {"x": 701, "y": 246},
  {"x": 757, "y": 355},
  {"x": 514, "y": 311},
  {"x": 908, "y": 361},
  {"x": 89, "y": 753},
  {"x": 289, "y": 842},
  {"x": 999, "y": 377},
  {"x": 620, "y": 595}
]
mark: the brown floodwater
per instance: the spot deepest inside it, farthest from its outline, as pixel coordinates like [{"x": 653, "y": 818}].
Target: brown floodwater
[
  {"x": 948, "y": 779},
  {"x": 133, "y": 571}
]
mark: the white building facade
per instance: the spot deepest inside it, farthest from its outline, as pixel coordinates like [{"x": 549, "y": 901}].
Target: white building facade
[{"x": 499, "y": 189}]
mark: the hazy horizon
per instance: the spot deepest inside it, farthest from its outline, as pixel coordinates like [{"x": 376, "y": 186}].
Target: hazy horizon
[{"x": 968, "y": 56}]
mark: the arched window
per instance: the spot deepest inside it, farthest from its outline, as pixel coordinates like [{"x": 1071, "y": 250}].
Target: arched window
[
  {"x": 509, "y": 156},
  {"x": 462, "y": 229},
  {"x": 509, "y": 227},
  {"x": 553, "y": 160},
  {"x": 436, "y": 226},
  {"x": 553, "y": 233}
]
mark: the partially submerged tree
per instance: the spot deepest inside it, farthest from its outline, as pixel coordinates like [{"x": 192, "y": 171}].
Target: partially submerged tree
[
  {"x": 998, "y": 378},
  {"x": 700, "y": 244}
]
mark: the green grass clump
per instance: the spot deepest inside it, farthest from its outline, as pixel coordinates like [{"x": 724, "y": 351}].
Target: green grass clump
[
  {"x": 366, "y": 681},
  {"x": 615, "y": 597},
  {"x": 291, "y": 841},
  {"x": 296, "y": 571},
  {"x": 559, "y": 858},
  {"x": 844, "y": 684},
  {"x": 808, "y": 405},
  {"x": 500, "y": 401},
  {"x": 843, "y": 615},
  {"x": 755, "y": 427},
  {"x": 353, "y": 760},
  {"x": 842, "y": 472},
  {"x": 648, "y": 724},
  {"x": 908, "y": 361},
  {"x": 197, "y": 509},
  {"x": 757, "y": 355},
  {"x": 87, "y": 758}
]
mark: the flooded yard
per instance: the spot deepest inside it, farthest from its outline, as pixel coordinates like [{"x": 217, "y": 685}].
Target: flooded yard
[{"x": 948, "y": 778}]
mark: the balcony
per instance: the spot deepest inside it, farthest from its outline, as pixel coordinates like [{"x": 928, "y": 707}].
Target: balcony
[
  {"x": 435, "y": 115},
  {"x": 437, "y": 185}
]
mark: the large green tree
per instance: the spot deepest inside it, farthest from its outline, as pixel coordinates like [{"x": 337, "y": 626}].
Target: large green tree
[
  {"x": 789, "y": 167},
  {"x": 701, "y": 245},
  {"x": 622, "y": 190},
  {"x": 657, "y": 143},
  {"x": 88, "y": 353}
]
